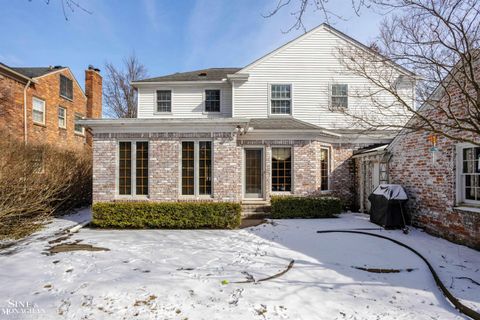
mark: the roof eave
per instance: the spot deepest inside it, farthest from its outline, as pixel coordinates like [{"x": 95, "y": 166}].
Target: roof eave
[{"x": 143, "y": 83}]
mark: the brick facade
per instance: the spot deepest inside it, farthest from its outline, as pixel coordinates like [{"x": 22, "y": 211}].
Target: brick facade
[
  {"x": 165, "y": 161},
  {"x": 47, "y": 88}
]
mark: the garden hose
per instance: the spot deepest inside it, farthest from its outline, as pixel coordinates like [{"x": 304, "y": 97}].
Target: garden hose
[{"x": 461, "y": 307}]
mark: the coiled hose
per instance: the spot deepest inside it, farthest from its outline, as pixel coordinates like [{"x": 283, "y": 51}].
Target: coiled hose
[{"x": 460, "y": 307}]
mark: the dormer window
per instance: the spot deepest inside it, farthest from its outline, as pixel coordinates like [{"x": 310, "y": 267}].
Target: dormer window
[
  {"x": 281, "y": 99},
  {"x": 212, "y": 100},
  {"x": 339, "y": 96},
  {"x": 66, "y": 87},
  {"x": 164, "y": 101}
]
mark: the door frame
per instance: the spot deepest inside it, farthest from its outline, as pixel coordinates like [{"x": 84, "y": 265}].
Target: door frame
[{"x": 261, "y": 196}]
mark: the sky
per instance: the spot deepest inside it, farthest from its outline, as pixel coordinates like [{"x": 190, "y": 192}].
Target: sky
[{"x": 166, "y": 35}]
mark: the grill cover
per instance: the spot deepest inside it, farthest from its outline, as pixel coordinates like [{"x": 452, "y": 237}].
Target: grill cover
[{"x": 387, "y": 204}]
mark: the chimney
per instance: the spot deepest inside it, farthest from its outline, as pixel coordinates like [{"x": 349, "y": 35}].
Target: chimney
[{"x": 93, "y": 91}]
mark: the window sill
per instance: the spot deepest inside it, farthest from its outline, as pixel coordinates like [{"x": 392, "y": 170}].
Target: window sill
[
  {"x": 62, "y": 128},
  {"x": 212, "y": 112},
  {"x": 193, "y": 197},
  {"x": 280, "y": 193},
  {"x": 40, "y": 124},
  {"x": 280, "y": 115},
  {"x": 159, "y": 113},
  {"x": 79, "y": 134},
  {"x": 67, "y": 98},
  {"x": 127, "y": 197},
  {"x": 467, "y": 207}
]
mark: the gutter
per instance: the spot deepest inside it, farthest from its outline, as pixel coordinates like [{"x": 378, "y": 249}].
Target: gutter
[{"x": 25, "y": 122}]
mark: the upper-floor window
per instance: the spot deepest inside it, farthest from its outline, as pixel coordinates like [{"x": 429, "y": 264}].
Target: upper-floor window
[
  {"x": 62, "y": 117},
  {"x": 339, "y": 96},
  {"x": 469, "y": 174},
  {"x": 281, "y": 98},
  {"x": 164, "y": 101},
  {"x": 38, "y": 111},
  {"x": 78, "y": 127},
  {"x": 212, "y": 100},
  {"x": 66, "y": 87}
]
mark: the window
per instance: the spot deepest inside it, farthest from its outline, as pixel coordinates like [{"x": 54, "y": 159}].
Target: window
[
  {"x": 281, "y": 98},
  {"x": 38, "y": 161},
  {"x": 78, "y": 128},
  {"x": 38, "y": 111},
  {"x": 324, "y": 169},
  {"x": 133, "y": 168},
  {"x": 164, "y": 101},
  {"x": 196, "y": 168},
  {"x": 66, "y": 87},
  {"x": 281, "y": 169},
  {"x": 470, "y": 174},
  {"x": 62, "y": 117},
  {"x": 212, "y": 100},
  {"x": 339, "y": 96}
]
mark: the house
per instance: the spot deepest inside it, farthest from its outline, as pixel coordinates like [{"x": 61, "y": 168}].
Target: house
[
  {"x": 41, "y": 104},
  {"x": 245, "y": 134},
  {"x": 439, "y": 174}
]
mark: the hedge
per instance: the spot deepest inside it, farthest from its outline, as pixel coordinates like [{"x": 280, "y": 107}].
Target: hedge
[
  {"x": 287, "y": 207},
  {"x": 167, "y": 215}
]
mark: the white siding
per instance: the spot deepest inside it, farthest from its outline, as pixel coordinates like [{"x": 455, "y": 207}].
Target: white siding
[
  {"x": 311, "y": 65},
  {"x": 187, "y": 101}
]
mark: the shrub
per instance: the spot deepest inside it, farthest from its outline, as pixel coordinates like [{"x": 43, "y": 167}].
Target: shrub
[
  {"x": 37, "y": 181},
  {"x": 286, "y": 207},
  {"x": 168, "y": 215}
]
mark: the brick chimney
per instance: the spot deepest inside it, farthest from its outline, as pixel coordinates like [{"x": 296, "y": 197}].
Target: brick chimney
[{"x": 93, "y": 91}]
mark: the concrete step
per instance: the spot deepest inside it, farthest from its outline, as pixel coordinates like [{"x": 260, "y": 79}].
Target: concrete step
[{"x": 260, "y": 209}]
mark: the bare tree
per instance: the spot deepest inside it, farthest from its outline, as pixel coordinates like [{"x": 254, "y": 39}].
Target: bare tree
[
  {"x": 439, "y": 41},
  {"x": 120, "y": 96},
  {"x": 69, "y": 6}
]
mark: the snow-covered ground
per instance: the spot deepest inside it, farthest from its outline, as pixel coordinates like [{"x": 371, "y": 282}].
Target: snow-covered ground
[{"x": 173, "y": 274}]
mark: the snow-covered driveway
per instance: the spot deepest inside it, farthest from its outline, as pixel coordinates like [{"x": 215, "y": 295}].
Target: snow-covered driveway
[{"x": 173, "y": 274}]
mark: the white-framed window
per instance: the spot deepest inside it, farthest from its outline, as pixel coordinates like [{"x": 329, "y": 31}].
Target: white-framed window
[
  {"x": 196, "y": 168},
  {"x": 282, "y": 169},
  {"x": 38, "y": 110},
  {"x": 280, "y": 99},
  {"x": 164, "y": 100},
  {"x": 78, "y": 128},
  {"x": 468, "y": 174},
  {"x": 324, "y": 169},
  {"x": 132, "y": 168},
  {"x": 62, "y": 117},
  {"x": 338, "y": 96},
  {"x": 212, "y": 100}
]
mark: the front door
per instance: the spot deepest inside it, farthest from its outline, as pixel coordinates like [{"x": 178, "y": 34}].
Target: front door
[{"x": 253, "y": 173}]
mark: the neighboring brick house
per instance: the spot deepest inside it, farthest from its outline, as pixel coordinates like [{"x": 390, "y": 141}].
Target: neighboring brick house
[
  {"x": 240, "y": 134},
  {"x": 443, "y": 187},
  {"x": 41, "y": 104}
]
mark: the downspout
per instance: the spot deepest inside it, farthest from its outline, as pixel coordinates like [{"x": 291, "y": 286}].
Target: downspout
[{"x": 25, "y": 122}]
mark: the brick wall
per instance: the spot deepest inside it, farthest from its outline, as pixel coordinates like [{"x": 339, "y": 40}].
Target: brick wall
[
  {"x": 431, "y": 188},
  {"x": 11, "y": 106}
]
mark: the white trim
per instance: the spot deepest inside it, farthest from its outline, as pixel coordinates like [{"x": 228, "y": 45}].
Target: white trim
[
  {"x": 292, "y": 169},
  {"x": 44, "y": 106},
  {"x": 459, "y": 176},
  {"x": 204, "y": 100},
  {"x": 196, "y": 170},
  {"x": 270, "y": 114},
  {"x": 133, "y": 170},
  {"x": 155, "y": 106},
  {"x": 243, "y": 172},
  {"x": 156, "y": 83},
  {"x": 64, "y": 117}
]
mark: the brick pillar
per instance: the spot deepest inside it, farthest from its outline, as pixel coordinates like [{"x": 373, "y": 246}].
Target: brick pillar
[{"x": 93, "y": 91}]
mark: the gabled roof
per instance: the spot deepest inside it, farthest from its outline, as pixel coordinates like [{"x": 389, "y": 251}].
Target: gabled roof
[
  {"x": 211, "y": 74},
  {"x": 34, "y": 72},
  {"x": 334, "y": 31}
]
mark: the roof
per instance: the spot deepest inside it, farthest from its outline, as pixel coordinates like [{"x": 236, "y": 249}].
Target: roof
[
  {"x": 281, "y": 123},
  {"x": 33, "y": 72},
  {"x": 371, "y": 150},
  {"x": 211, "y": 74}
]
